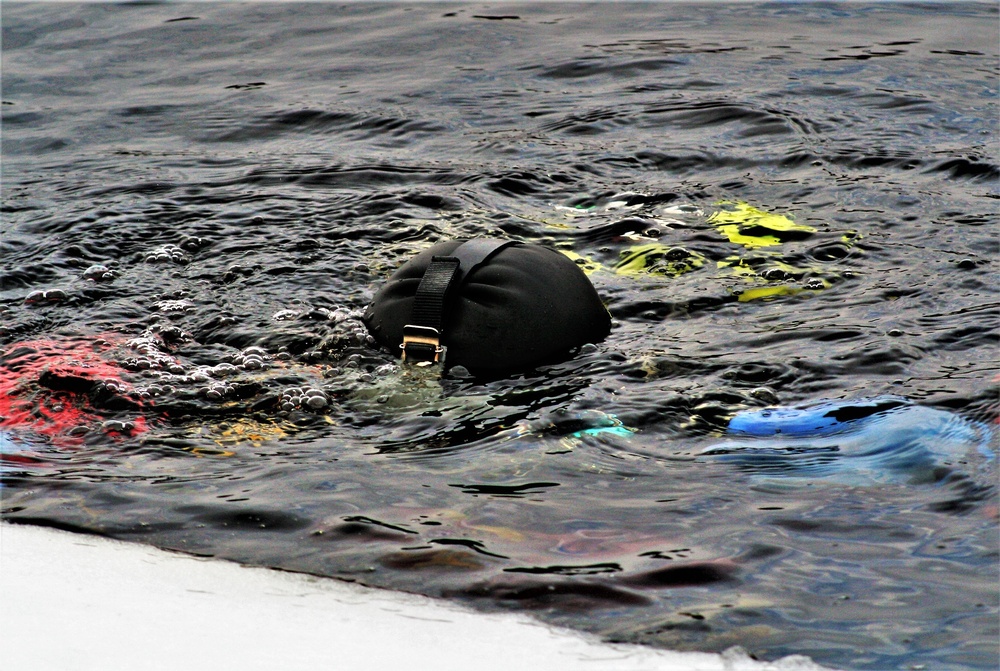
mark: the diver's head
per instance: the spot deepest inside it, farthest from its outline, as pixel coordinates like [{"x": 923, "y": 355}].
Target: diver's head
[{"x": 494, "y": 307}]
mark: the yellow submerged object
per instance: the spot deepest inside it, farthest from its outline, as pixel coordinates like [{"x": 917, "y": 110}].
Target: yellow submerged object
[
  {"x": 587, "y": 264},
  {"x": 745, "y": 225},
  {"x": 658, "y": 259},
  {"x": 766, "y": 272}
]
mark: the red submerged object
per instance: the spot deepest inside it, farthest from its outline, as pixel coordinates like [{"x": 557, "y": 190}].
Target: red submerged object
[{"x": 61, "y": 389}]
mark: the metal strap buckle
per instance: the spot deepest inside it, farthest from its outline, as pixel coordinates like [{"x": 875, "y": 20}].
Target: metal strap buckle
[{"x": 422, "y": 344}]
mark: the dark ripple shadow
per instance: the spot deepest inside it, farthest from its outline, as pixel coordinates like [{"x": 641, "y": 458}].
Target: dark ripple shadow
[
  {"x": 369, "y": 177},
  {"x": 600, "y": 66},
  {"x": 319, "y": 122},
  {"x": 702, "y": 113}
]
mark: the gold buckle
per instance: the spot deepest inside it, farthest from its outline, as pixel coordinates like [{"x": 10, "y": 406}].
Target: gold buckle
[{"x": 425, "y": 336}]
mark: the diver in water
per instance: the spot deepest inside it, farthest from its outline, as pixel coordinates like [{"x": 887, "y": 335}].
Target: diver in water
[{"x": 482, "y": 307}]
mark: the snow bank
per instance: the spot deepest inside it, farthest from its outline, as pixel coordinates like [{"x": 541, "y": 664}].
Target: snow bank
[{"x": 70, "y": 601}]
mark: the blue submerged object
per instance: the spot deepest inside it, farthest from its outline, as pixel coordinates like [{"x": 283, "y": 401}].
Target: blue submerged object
[{"x": 862, "y": 441}]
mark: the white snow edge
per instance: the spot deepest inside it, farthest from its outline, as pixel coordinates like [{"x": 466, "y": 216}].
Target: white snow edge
[{"x": 72, "y": 601}]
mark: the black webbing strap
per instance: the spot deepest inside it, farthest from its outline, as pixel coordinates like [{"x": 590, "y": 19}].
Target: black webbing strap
[{"x": 423, "y": 334}]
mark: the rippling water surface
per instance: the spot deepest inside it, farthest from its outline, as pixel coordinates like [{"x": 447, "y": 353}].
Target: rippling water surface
[{"x": 781, "y": 204}]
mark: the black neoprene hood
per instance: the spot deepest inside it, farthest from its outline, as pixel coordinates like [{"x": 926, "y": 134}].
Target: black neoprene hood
[{"x": 523, "y": 306}]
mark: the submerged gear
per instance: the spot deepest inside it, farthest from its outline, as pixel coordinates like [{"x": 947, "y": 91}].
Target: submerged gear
[
  {"x": 492, "y": 306},
  {"x": 57, "y": 389},
  {"x": 857, "y": 442}
]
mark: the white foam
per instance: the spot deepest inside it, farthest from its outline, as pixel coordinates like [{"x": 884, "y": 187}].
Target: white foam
[{"x": 70, "y": 601}]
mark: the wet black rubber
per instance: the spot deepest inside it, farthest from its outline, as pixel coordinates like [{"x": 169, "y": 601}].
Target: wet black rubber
[{"x": 523, "y": 306}]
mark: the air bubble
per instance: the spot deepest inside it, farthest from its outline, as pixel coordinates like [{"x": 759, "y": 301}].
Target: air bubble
[
  {"x": 173, "y": 334},
  {"x": 98, "y": 273},
  {"x": 815, "y": 284},
  {"x": 252, "y": 363},
  {"x": 140, "y": 364},
  {"x": 320, "y": 314},
  {"x": 117, "y": 426},
  {"x": 167, "y": 254},
  {"x": 676, "y": 254},
  {"x": 317, "y": 402},
  {"x": 151, "y": 357},
  {"x": 49, "y": 296},
  {"x": 217, "y": 391},
  {"x": 173, "y": 306},
  {"x": 309, "y": 397},
  {"x": 315, "y": 398},
  {"x": 251, "y": 358},
  {"x": 224, "y": 369},
  {"x": 340, "y": 314},
  {"x": 193, "y": 243}
]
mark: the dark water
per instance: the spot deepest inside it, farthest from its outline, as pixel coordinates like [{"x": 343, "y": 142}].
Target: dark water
[{"x": 185, "y": 182}]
